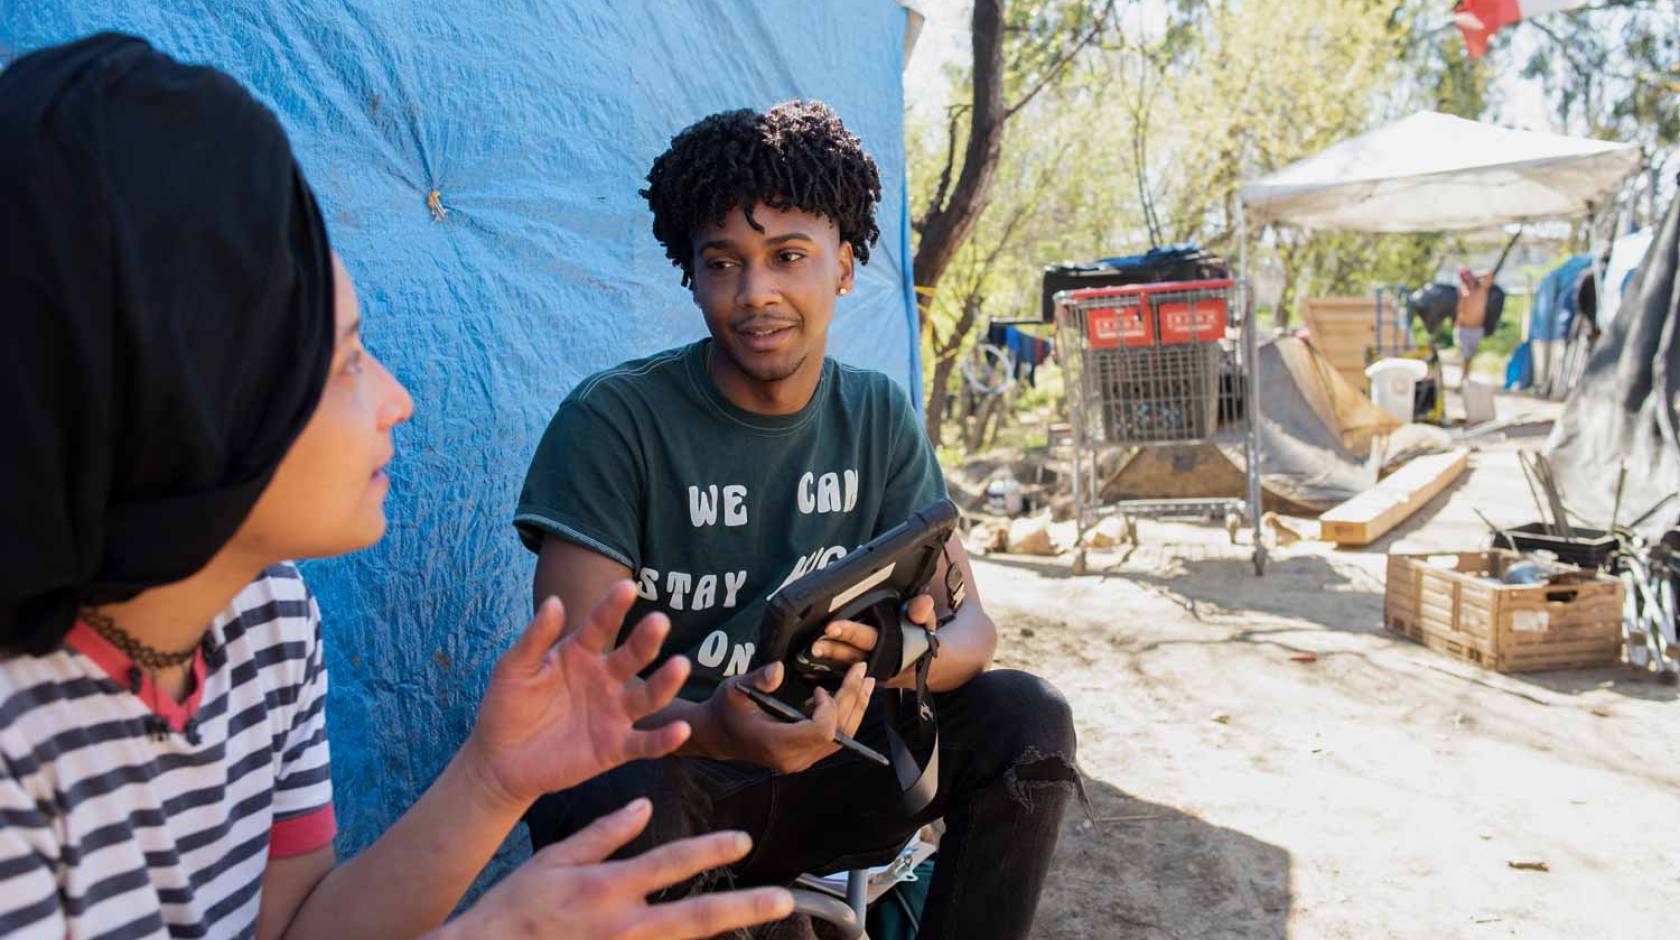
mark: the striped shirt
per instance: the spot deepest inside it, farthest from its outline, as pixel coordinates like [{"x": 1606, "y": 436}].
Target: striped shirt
[{"x": 121, "y": 818}]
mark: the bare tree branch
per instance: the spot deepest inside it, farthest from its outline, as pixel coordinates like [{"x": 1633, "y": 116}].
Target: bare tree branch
[
  {"x": 944, "y": 187},
  {"x": 1057, "y": 67}
]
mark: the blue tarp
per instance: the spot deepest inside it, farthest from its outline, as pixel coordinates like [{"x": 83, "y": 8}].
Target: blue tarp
[
  {"x": 1519, "y": 369},
  {"x": 535, "y": 124},
  {"x": 1554, "y": 301},
  {"x": 1549, "y": 318},
  {"x": 1182, "y": 251}
]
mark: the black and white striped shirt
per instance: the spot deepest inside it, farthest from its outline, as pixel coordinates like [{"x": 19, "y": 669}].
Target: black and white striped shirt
[{"x": 127, "y": 815}]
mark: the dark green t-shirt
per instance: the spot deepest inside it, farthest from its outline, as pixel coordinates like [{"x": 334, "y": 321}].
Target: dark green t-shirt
[{"x": 713, "y": 507}]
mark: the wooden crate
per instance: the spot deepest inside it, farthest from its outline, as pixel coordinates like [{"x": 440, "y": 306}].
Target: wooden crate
[
  {"x": 1343, "y": 328},
  {"x": 1445, "y": 601}
]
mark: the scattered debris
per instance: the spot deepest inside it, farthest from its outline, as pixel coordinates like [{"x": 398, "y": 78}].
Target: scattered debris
[
  {"x": 1295, "y": 530},
  {"x": 1220, "y": 717},
  {"x": 1529, "y": 865},
  {"x": 985, "y": 538},
  {"x": 1411, "y": 441},
  {"x": 1111, "y": 531},
  {"x": 1031, "y": 536},
  {"x": 1304, "y": 658}
]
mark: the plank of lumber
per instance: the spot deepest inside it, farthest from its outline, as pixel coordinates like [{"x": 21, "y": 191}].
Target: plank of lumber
[
  {"x": 1350, "y": 322},
  {"x": 1340, "y": 304},
  {"x": 1366, "y": 517}
]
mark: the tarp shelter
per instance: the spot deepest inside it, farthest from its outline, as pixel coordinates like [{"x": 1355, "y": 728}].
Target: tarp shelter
[
  {"x": 1625, "y": 412},
  {"x": 528, "y": 128},
  {"x": 1626, "y": 253},
  {"x": 1544, "y": 357},
  {"x": 1556, "y": 301},
  {"x": 1433, "y": 172}
]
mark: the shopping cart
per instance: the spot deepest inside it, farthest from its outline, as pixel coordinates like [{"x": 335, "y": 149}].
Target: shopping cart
[{"x": 1149, "y": 365}]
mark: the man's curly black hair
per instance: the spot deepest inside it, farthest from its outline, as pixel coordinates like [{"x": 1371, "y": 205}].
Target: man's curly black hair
[{"x": 796, "y": 155}]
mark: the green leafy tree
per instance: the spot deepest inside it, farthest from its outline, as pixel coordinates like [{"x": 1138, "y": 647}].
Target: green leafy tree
[
  {"x": 1020, "y": 48},
  {"x": 1143, "y": 121},
  {"x": 1612, "y": 71}
]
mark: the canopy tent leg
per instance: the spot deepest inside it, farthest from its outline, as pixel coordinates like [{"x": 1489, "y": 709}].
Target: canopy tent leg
[
  {"x": 1597, "y": 260},
  {"x": 1251, "y": 370}
]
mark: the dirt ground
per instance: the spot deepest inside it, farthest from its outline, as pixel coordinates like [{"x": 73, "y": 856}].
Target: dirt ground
[{"x": 1381, "y": 790}]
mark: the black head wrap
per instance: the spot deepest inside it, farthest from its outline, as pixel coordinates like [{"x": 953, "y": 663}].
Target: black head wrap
[{"x": 166, "y": 323}]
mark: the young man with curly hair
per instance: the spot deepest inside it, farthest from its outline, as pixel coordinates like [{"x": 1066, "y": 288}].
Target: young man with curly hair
[{"x": 713, "y": 473}]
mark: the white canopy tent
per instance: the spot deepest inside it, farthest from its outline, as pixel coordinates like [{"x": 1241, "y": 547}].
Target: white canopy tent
[{"x": 1434, "y": 172}]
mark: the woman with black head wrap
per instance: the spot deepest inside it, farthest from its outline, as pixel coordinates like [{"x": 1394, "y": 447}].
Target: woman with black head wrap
[{"x": 187, "y": 406}]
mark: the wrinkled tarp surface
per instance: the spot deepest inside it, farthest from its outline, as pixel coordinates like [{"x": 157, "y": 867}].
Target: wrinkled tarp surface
[
  {"x": 535, "y": 124},
  {"x": 1320, "y": 439},
  {"x": 1436, "y": 172},
  {"x": 1625, "y": 408}
]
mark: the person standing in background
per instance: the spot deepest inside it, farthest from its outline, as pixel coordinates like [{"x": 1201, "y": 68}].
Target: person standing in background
[{"x": 1468, "y": 322}]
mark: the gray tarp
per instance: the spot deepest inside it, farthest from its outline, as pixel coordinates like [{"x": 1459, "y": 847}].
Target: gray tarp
[{"x": 1623, "y": 412}]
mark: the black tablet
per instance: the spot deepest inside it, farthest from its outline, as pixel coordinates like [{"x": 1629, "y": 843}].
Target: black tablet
[{"x": 876, "y": 577}]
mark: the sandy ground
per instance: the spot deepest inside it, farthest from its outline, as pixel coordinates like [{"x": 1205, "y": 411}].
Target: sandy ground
[{"x": 1379, "y": 791}]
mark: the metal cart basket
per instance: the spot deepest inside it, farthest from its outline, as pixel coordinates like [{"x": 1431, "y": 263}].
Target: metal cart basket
[{"x": 1148, "y": 365}]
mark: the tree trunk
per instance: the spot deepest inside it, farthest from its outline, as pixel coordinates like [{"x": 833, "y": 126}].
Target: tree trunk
[
  {"x": 944, "y": 227},
  {"x": 937, "y": 398},
  {"x": 946, "y": 223},
  {"x": 945, "y": 356}
]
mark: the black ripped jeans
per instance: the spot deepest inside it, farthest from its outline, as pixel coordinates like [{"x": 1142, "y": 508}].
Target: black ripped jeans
[{"x": 1006, "y": 770}]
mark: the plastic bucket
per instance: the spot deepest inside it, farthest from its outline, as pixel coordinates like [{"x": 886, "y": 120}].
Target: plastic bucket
[{"x": 1393, "y": 382}]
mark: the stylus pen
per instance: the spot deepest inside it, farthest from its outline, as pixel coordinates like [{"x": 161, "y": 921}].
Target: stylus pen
[{"x": 788, "y": 712}]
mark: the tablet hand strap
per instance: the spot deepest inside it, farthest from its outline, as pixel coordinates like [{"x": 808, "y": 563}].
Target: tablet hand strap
[{"x": 917, "y": 783}]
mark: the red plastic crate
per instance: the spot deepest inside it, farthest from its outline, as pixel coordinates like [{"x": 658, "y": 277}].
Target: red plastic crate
[
  {"x": 1185, "y": 321},
  {"x": 1168, "y": 314},
  {"x": 1110, "y": 327}
]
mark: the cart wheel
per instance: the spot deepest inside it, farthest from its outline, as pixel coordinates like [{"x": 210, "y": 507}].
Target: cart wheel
[{"x": 1259, "y": 560}]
